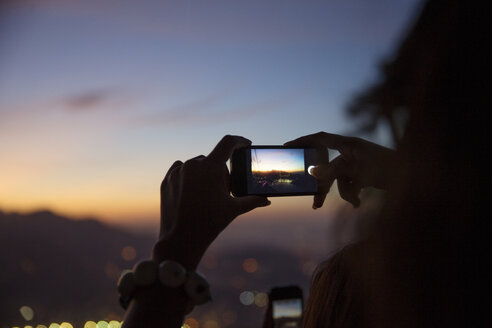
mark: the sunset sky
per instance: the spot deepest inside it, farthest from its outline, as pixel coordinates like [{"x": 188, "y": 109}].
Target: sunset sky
[
  {"x": 287, "y": 308},
  {"x": 99, "y": 98},
  {"x": 288, "y": 160}
]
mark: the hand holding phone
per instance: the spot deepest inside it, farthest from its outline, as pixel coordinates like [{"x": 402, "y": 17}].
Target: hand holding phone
[
  {"x": 360, "y": 164},
  {"x": 273, "y": 171},
  {"x": 196, "y": 204},
  {"x": 286, "y": 303}
]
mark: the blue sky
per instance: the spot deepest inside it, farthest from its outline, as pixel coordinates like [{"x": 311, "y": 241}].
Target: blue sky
[{"x": 98, "y": 98}]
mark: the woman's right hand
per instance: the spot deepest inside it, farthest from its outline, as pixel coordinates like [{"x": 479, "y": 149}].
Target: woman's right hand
[
  {"x": 360, "y": 164},
  {"x": 196, "y": 203}
]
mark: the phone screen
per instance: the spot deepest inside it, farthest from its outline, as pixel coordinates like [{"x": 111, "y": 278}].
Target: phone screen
[
  {"x": 281, "y": 171},
  {"x": 287, "y": 312}
]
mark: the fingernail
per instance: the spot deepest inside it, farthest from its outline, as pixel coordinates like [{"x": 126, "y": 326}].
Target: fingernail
[
  {"x": 314, "y": 207},
  {"x": 267, "y": 202}
]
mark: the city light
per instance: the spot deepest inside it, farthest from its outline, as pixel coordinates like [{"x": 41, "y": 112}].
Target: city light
[
  {"x": 250, "y": 265},
  {"x": 191, "y": 323},
  {"x": 210, "y": 324},
  {"x": 92, "y": 324},
  {"x": 247, "y": 298},
  {"x": 26, "y": 312},
  {"x": 66, "y": 325},
  {"x": 261, "y": 299},
  {"x": 128, "y": 253}
]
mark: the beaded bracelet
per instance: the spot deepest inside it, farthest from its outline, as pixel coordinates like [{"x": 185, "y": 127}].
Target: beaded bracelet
[{"x": 170, "y": 274}]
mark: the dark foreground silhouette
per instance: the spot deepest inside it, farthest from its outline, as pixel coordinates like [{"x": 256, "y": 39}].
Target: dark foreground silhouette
[{"x": 424, "y": 265}]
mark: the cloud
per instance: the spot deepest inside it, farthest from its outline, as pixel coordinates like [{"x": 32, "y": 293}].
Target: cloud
[
  {"x": 99, "y": 99},
  {"x": 87, "y": 100},
  {"x": 91, "y": 100}
]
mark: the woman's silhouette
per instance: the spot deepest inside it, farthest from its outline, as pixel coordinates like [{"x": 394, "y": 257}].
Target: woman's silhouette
[{"x": 426, "y": 259}]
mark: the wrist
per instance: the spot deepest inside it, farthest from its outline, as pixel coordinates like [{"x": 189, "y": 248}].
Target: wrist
[
  {"x": 187, "y": 251},
  {"x": 157, "y": 287}
]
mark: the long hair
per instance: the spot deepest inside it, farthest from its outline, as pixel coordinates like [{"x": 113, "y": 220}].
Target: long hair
[
  {"x": 336, "y": 294},
  {"x": 431, "y": 238},
  {"x": 433, "y": 231}
]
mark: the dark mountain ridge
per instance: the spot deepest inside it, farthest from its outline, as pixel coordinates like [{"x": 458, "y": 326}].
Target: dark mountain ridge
[
  {"x": 63, "y": 269},
  {"x": 66, "y": 270}
]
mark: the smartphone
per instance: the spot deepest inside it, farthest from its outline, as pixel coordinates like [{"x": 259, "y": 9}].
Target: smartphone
[
  {"x": 273, "y": 171},
  {"x": 287, "y": 304}
]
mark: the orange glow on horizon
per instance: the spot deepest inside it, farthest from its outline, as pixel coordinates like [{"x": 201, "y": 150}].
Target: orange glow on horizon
[
  {"x": 278, "y": 170},
  {"x": 146, "y": 213}
]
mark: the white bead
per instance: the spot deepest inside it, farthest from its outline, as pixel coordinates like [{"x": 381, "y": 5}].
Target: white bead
[
  {"x": 145, "y": 272},
  {"x": 172, "y": 274},
  {"x": 126, "y": 283},
  {"x": 197, "y": 288}
]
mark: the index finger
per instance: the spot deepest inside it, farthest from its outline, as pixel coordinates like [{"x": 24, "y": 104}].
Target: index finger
[
  {"x": 323, "y": 140},
  {"x": 223, "y": 151},
  {"x": 313, "y": 141}
]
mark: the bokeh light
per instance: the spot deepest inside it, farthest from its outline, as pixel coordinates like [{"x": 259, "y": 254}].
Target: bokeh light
[
  {"x": 250, "y": 265},
  {"x": 261, "y": 299},
  {"x": 54, "y": 325},
  {"x": 192, "y": 323},
  {"x": 66, "y": 325},
  {"x": 114, "y": 324},
  {"x": 210, "y": 324},
  {"x": 90, "y": 324},
  {"x": 41, "y": 326},
  {"x": 247, "y": 298},
  {"x": 102, "y": 324},
  {"x": 26, "y": 312},
  {"x": 128, "y": 253}
]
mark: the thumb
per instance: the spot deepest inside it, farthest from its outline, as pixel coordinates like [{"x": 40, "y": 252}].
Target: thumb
[
  {"x": 321, "y": 171},
  {"x": 245, "y": 204}
]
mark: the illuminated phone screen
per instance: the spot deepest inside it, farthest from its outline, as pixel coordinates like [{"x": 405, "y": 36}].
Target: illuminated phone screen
[
  {"x": 281, "y": 171},
  {"x": 287, "y": 312}
]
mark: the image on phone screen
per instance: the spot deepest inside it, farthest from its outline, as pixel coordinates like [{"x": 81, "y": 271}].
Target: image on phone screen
[
  {"x": 287, "y": 313},
  {"x": 281, "y": 171}
]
